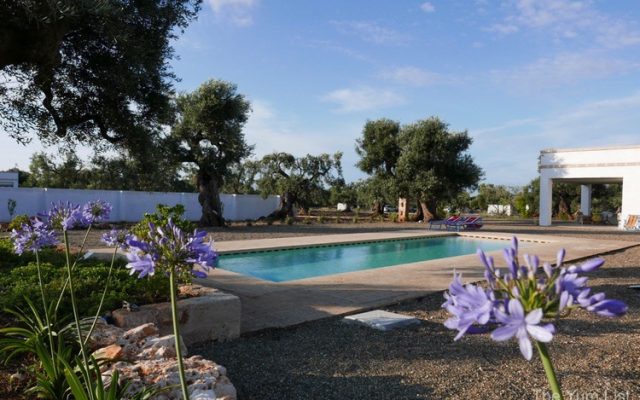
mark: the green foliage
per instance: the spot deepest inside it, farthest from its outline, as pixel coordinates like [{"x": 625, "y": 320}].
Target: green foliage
[
  {"x": 393, "y": 217},
  {"x": 289, "y": 220},
  {"x": 301, "y": 181},
  {"x": 9, "y": 259},
  {"x": 321, "y": 219},
  {"x": 18, "y": 221},
  {"x": 241, "y": 177},
  {"x": 122, "y": 172},
  {"x": 89, "y": 70},
  {"x": 161, "y": 217},
  {"x": 379, "y": 148},
  {"x": 208, "y": 134},
  {"x": 52, "y": 171},
  {"x": 492, "y": 194},
  {"x": 434, "y": 165},
  {"x": 22, "y": 281},
  {"x": 341, "y": 192},
  {"x": 424, "y": 161}
]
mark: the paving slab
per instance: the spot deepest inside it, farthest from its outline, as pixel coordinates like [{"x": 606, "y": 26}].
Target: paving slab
[{"x": 382, "y": 320}]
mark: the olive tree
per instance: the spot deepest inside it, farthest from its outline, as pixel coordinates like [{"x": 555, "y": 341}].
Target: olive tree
[
  {"x": 208, "y": 134},
  {"x": 300, "y": 181},
  {"x": 90, "y": 71},
  {"x": 434, "y": 165}
]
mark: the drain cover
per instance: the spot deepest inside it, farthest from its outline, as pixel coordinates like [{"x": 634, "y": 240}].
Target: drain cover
[{"x": 382, "y": 320}]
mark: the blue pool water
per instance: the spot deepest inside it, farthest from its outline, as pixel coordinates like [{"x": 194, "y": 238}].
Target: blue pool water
[{"x": 308, "y": 262}]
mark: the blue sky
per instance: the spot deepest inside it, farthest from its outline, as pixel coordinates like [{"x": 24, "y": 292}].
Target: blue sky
[{"x": 519, "y": 75}]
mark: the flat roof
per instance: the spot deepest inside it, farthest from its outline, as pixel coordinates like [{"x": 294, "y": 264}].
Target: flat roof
[{"x": 553, "y": 150}]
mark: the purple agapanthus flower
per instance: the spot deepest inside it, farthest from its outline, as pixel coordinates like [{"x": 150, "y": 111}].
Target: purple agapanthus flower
[
  {"x": 96, "y": 211},
  {"x": 516, "y": 323},
  {"x": 64, "y": 216},
  {"x": 143, "y": 264},
  {"x": 168, "y": 247},
  {"x": 504, "y": 304},
  {"x": 119, "y": 238},
  {"x": 468, "y": 305},
  {"x": 33, "y": 236}
]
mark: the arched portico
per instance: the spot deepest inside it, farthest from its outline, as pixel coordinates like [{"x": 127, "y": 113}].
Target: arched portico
[{"x": 591, "y": 166}]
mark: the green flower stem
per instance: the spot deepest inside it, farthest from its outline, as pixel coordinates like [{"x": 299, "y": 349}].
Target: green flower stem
[
  {"x": 176, "y": 332},
  {"x": 75, "y": 262},
  {"x": 44, "y": 305},
  {"x": 548, "y": 369},
  {"x": 104, "y": 293},
  {"x": 76, "y": 317}
]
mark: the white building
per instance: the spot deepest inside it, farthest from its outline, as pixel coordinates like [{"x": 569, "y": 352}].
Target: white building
[
  {"x": 586, "y": 167},
  {"x": 8, "y": 179}
]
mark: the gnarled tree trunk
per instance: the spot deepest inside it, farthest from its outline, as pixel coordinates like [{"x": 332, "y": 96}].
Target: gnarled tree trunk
[
  {"x": 209, "y": 199},
  {"x": 285, "y": 209},
  {"x": 428, "y": 209},
  {"x": 377, "y": 208}
]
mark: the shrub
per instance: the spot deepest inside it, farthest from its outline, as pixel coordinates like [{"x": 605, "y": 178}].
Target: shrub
[
  {"x": 22, "y": 281},
  {"x": 9, "y": 259},
  {"x": 161, "y": 217},
  {"x": 249, "y": 222},
  {"x": 269, "y": 221},
  {"x": 289, "y": 220},
  {"x": 355, "y": 219},
  {"x": 18, "y": 221},
  {"x": 393, "y": 217}
]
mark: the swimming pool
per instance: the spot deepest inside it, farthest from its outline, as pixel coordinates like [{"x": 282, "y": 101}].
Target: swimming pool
[{"x": 291, "y": 264}]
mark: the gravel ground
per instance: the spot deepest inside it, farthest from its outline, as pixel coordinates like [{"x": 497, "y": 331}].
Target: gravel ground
[{"x": 596, "y": 358}]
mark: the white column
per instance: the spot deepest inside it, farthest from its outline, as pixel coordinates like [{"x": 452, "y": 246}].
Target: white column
[
  {"x": 585, "y": 199},
  {"x": 546, "y": 202}
]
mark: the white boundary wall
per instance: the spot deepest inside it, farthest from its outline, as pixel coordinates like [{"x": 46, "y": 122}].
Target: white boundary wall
[
  {"x": 130, "y": 206},
  {"x": 591, "y": 165}
]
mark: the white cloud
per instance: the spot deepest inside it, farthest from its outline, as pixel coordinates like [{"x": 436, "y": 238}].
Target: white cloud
[
  {"x": 363, "y": 99},
  {"x": 238, "y": 12},
  {"x": 503, "y": 28},
  {"x": 568, "y": 20},
  {"x": 331, "y": 46},
  {"x": 563, "y": 69},
  {"x": 427, "y": 7},
  {"x": 371, "y": 32},
  {"x": 414, "y": 76},
  {"x": 509, "y": 151}
]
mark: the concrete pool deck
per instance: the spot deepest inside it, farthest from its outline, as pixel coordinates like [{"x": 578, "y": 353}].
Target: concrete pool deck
[{"x": 268, "y": 304}]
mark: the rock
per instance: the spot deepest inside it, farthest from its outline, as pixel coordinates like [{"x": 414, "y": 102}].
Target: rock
[
  {"x": 140, "y": 332},
  {"x": 104, "y": 334},
  {"x": 110, "y": 353},
  {"x": 162, "y": 347},
  {"x": 151, "y": 362},
  {"x": 225, "y": 389},
  {"x": 202, "y": 395}
]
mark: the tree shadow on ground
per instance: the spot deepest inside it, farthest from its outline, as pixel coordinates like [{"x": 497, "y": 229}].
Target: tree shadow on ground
[{"x": 292, "y": 385}]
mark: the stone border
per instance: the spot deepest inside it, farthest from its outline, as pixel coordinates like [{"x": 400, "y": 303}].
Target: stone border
[{"x": 209, "y": 315}]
